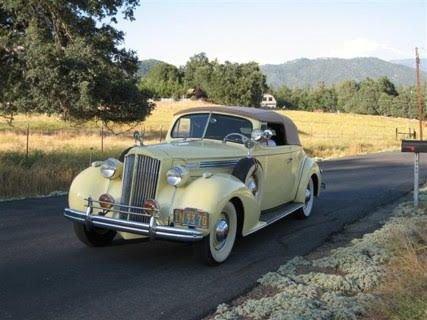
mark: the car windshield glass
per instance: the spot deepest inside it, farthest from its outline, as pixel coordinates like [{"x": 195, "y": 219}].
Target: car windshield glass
[
  {"x": 194, "y": 125},
  {"x": 190, "y": 126}
]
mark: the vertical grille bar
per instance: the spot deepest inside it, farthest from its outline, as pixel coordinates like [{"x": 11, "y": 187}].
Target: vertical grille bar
[
  {"x": 127, "y": 179},
  {"x": 139, "y": 181}
]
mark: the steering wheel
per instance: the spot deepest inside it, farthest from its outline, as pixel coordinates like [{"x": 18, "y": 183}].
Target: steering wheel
[{"x": 242, "y": 137}]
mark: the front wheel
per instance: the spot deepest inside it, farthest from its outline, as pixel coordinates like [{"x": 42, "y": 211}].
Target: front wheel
[
  {"x": 305, "y": 211},
  {"x": 217, "y": 246},
  {"x": 95, "y": 237}
]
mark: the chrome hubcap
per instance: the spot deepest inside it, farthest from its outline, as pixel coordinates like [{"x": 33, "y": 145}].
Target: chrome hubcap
[{"x": 221, "y": 233}]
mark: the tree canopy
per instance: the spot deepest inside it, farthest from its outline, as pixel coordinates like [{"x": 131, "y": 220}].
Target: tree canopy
[
  {"x": 163, "y": 80},
  {"x": 369, "y": 96},
  {"x": 65, "y": 57},
  {"x": 223, "y": 83}
]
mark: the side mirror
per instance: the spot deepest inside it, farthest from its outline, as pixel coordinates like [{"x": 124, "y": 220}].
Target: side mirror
[
  {"x": 257, "y": 135},
  {"x": 137, "y": 136},
  {"x": 249, "y": 144}
]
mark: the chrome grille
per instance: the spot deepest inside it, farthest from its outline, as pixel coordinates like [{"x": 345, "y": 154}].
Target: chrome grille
[{"x": 139, "y": 183}]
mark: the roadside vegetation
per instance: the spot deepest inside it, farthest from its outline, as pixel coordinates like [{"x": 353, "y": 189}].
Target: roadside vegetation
[
  {"x": 58, "y": 150},
  {"x": 382, "y": 275}
]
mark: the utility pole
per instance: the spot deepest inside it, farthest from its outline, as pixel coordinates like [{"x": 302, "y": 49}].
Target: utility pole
[{"x": 419, "y": 96}]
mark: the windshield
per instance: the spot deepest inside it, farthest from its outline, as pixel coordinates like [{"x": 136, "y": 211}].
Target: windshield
[{"x": 215, "y": 126}]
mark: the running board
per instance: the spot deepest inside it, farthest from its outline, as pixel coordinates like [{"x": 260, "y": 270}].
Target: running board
[{"x": 272, "y": 215}]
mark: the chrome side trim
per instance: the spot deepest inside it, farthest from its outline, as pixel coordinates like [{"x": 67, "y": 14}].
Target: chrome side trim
[
  {"x": 275, "y": 215},
  {"x": 214, "y": 164},
  {"x": 280, "y": 214},
  {"x": 151, "y": 229}
]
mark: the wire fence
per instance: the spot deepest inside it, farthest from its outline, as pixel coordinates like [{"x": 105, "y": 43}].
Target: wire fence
[{"x": 101, "y": 138}]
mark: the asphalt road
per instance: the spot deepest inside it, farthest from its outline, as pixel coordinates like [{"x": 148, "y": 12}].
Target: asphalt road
[{"x": 46, "y": 273}]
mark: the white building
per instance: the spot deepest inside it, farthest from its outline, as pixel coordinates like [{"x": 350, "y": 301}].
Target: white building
[{"x": 268, "y": 101}]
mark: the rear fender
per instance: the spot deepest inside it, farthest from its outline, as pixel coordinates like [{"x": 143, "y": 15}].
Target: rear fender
[{"x": 310, "y": 169}]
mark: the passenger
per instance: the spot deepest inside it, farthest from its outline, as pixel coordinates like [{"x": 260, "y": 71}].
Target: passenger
[{"x": 268, "y": 142}]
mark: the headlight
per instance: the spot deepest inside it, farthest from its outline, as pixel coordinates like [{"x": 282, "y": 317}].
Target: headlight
[
  {"x": 177, "y": 176},
  {"x": 111, "y": 168}
]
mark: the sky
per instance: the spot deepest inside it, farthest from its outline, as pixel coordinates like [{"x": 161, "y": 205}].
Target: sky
[{"x": 274, "y": 31}]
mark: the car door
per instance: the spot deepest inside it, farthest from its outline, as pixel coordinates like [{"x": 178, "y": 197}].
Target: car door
[{"x": 280, "y": 166}]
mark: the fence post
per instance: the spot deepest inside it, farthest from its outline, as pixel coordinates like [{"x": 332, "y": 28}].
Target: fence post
[
  {"x": 161, "y": 133},
  {"x": 102, "y": 138},
  {"x": 28, "y": 140},
  {"x": 397, "y": 132},
  {"x": 90, "y": 155}
]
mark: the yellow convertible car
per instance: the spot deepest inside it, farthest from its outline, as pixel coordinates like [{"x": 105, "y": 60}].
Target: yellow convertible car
[{"x": 223, "y": 172}]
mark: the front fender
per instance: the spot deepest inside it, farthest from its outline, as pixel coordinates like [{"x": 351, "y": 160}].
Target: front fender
[
  {"x": 212, "y": 193},
  {"x": 309, "y": 169},
  {"x": 91, "y": 183}
]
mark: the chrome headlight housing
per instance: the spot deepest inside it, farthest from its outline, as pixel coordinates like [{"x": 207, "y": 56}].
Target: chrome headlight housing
[
  {"x": 177, "y": 176},
  {"x": 111, "y": 168}
]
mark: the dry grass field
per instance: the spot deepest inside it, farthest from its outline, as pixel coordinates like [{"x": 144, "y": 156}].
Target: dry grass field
[{"x": 59, "y": 150}]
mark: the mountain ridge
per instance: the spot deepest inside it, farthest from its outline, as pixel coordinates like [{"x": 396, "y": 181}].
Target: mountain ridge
[
  {"x": 411, "y": 63},
  {"x": 305, "y": 72}
]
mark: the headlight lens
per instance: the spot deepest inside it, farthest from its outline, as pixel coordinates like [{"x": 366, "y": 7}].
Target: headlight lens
[
  {"x": 177, "y": 176},
  {"x": 110, "y": 168}
]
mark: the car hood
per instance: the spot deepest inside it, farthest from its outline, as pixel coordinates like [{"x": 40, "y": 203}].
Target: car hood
[{"x": 191, "y": 150}]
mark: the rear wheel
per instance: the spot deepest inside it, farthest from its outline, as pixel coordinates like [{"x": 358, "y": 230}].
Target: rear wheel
[
  {"x": 95, "y": 237},
  {"x": 305, "y": 211},
  {"x": 217, "y": 246}
]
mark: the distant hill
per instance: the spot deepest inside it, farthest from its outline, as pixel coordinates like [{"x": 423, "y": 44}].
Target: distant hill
[
  {"x": 411, "y": 63},
  {"x": 146, "y": 65},
  {"x": 309, "y": 72}
]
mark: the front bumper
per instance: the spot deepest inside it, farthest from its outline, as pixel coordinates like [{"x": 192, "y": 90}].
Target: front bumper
[{"x": 150, "y": 229}]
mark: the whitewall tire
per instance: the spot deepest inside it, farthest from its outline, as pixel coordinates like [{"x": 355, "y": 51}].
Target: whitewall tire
[
  {"x": 305, "y": 211},
  {"x": 215, "y": 248}
]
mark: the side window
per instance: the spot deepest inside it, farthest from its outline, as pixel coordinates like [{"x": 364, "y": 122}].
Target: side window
[
  {"x": 280, "y": 134},
  {"x": 182, "y": 128}
]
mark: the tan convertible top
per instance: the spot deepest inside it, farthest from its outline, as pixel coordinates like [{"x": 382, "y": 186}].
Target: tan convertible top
[{"x": 263, "y": 115}]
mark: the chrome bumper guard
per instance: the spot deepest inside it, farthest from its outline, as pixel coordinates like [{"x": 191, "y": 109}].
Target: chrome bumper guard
[{"x": 151, "y": 229}]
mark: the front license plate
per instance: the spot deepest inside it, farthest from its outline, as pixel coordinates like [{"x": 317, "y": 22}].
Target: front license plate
[{"x": 192, "y": 217}]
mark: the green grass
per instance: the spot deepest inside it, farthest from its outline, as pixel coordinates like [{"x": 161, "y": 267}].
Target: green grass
[{"x": 44, "y": 172}]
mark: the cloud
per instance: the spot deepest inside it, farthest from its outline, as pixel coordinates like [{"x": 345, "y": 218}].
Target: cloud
[{"x": 362, "y": 47}]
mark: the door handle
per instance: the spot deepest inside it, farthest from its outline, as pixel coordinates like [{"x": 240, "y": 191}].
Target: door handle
[{"x": 290, "y": 160}]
